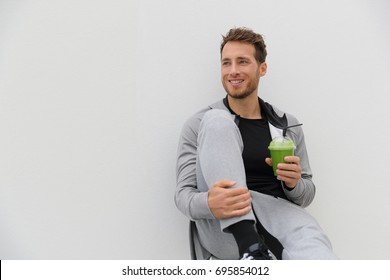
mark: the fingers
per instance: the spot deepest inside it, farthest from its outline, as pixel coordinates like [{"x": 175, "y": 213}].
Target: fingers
[
  {"x": 240, "y": 212},
  {"x": 292, "y": 159},
  {"x": 234, "y": 210},
  {"x": 224, "y": 183},
  {"x": 290, "y": 172},
  {"x": 227, "y": 202},
  {"x": 227, "y": 184},
  {"x": 241, "y": 200},
  {"x": 290, "y": 178},
  {"x": 235, "y": 198},
  {"x": 237, "y": 205},
  {"x": 268, "y": 161}
]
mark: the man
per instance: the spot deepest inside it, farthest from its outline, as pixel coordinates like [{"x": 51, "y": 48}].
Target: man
[{"x": 225, "y": 182}]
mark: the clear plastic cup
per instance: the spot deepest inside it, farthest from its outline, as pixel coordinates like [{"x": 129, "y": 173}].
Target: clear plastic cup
[{"x": 280, "y": 147}]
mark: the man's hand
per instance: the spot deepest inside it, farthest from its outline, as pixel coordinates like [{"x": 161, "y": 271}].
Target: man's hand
[
  {"x": 227, "y": 202},
  {"x": 289, "y": 172}
]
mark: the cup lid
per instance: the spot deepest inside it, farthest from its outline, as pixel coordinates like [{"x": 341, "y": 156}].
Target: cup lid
[{"x": 281, "y": 142}]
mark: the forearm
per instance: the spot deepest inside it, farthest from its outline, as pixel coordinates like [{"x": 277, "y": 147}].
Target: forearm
[
  {"x": 192, "y": 203},
  {"x": 303, "y": 193}
]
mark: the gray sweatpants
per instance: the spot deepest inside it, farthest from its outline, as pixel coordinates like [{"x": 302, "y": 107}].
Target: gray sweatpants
[{"x": 219, "y": 156}]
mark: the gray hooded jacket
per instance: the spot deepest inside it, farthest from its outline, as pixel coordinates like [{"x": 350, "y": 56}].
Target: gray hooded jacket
[{"x": 193, "y": 203}]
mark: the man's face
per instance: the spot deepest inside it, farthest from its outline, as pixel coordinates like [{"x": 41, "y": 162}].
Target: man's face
[{"x": 240, "y": 71}]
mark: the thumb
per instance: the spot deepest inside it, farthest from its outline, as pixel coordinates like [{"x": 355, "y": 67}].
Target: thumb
[
  {"x": 268, "y": 161},
  {"x": 224, "y": 183}
]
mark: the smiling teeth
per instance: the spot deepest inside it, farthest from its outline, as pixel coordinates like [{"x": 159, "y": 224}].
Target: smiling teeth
[{"x": 236, "y": 81}]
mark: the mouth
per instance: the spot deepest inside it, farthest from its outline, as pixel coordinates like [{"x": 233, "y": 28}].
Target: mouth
[{"x": 236, "y": 82}]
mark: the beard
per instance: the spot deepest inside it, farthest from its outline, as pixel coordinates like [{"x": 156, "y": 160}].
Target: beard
[{"x": 241, "y": 93}]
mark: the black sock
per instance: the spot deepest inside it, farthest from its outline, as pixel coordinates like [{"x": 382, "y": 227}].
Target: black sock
[{"x": 245, "y": 235}]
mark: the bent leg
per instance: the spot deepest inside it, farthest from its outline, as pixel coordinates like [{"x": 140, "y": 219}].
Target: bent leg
[{"x": 220, "y": 149}]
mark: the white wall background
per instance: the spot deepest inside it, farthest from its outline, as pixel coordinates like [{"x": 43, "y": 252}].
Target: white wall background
[{"x": 93, "y": 95}]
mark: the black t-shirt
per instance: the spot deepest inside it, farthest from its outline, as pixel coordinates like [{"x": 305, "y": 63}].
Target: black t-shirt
[{"x": 259, "y": 175}]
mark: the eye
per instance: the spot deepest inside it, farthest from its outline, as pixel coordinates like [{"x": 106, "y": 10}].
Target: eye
[
  {"x": 243, "y": 61},
  {"x": 225, "y": 63}
]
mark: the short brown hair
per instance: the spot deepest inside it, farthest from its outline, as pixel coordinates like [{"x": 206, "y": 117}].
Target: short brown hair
[{"x": 246, "y": 35}]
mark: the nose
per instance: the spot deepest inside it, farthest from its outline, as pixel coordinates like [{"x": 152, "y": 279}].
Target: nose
[{"x": 234, "y": 69}]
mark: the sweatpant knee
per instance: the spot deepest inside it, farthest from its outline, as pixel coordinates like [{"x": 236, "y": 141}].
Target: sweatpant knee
[{"x": 218, "y": 121}]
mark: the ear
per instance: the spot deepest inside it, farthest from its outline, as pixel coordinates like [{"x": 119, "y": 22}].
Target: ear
[{"x": 263, "y": 69}]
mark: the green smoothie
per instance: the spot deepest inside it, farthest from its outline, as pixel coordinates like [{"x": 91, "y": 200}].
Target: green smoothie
[{"x": 279, "y": 148}]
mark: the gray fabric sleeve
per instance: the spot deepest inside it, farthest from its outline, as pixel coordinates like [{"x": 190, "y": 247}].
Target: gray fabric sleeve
[
  {"x": 188, "y": 199},
  {"x": 303, "y": 194}
]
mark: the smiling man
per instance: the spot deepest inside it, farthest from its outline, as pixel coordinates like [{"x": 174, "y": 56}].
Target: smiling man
[
  {"x": 240, "y": 70},
  {"x": 225, "y": 182}
]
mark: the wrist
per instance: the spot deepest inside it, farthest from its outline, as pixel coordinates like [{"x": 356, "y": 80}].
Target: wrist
[{"x": 286, "y": 187}]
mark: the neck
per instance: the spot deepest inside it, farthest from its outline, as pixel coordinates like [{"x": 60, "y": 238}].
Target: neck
[{"x": 247, "y": 108}]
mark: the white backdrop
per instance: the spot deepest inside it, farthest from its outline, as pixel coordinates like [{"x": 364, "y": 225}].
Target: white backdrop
[{"x": 93, "y": 95}]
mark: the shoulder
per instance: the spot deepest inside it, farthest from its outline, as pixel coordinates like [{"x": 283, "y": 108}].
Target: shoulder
[
  {"x": 193, "y": 121},
  {"x": 291, "y": 119}
]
